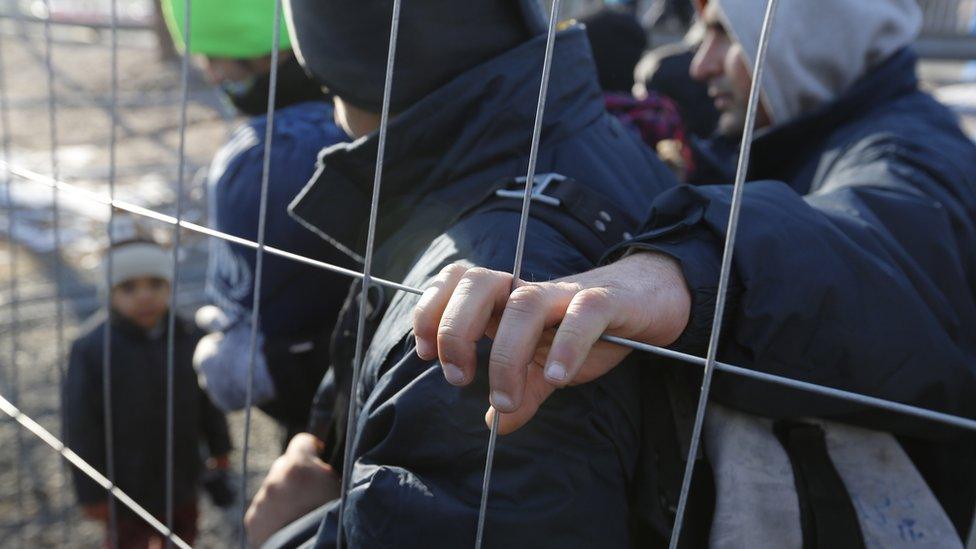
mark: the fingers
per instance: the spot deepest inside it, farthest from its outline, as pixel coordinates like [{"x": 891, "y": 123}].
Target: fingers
[
  {"x": 297, "y": 482},
  {"x": 537, "y": 390},
  {"x": 429, "y": 310},
  {"x": 304, "y": 445},
  {"x": 587, "y": 317},
  {"x": 530, "y": 309},
  {"x": 465, "y": 319}
]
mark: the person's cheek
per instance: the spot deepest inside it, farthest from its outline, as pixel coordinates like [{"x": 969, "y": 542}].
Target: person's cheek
[{"x": 738, "y": 72}]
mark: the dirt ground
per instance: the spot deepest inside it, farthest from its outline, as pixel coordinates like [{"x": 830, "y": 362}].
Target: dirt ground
[{"x": 36, "y": 502}]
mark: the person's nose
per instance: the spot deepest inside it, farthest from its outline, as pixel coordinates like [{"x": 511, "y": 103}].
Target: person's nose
[{"x": 145, "y": 297}]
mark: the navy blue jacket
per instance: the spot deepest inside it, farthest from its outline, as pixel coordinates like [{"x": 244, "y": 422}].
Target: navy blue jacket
[
  {"x": 564, "y": 479},
  {"x": 138, "y": 368},
  {"x": 296, "y": 299},
  {"x": 854, "y": 267}
]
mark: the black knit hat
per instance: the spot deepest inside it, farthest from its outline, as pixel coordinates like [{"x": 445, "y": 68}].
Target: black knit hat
[{"x": 343, "y": 43}]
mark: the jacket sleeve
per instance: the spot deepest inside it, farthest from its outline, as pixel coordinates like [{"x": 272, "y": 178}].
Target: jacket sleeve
[
  {"x": 214, "y": 426},
  {"x": 864, "y": 285},
  {"x": 83, "y": 419}
]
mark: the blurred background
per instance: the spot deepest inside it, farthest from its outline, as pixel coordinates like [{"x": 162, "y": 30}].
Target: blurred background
[{"x": 31, "y": 474}]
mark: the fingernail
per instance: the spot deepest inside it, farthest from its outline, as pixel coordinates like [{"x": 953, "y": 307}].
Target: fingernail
[
  {"x": 556, "y": 371},
  {"x": 425, "y": 349},
  {"x": 453, "y": 374},
  {"x": 501, "y": 401}
]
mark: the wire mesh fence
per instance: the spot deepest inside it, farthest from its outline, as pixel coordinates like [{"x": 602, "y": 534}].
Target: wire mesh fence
[{"x": 37, "y": 275}]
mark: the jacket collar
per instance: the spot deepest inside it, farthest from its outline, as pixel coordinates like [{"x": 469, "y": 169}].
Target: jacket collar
[
  {"x": 779, "y": 150},
  {"x": 775, "y": 148},
  {"x": 478, "y": 124}
]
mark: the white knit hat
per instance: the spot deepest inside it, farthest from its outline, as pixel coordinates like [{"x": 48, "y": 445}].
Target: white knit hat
[{"x": 137, "y": 258}]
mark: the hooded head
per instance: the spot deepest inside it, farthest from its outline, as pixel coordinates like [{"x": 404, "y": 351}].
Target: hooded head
[
  {"x": 817, "y": 49},
  {"x": 238, "y": 29},
  {"x": 235, "y": 37},
  {"x": 343, "y": 43}
]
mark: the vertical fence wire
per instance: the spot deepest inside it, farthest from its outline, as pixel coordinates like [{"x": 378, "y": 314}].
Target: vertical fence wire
[
  {"x": 259, "y": 261},
  {"x": 520, "y": 249},
  {"x": 84, "y": 467},
  {"x": 971, "y": 542},
  {"x": 59, "y": 343},
  {"x": 13, "y": 379},
  {"x": 113, "y": 535},
  {"x": 353, "y": 413},
  {"x": 726, "y": 268},
  {"x": 175, "y": 284}
]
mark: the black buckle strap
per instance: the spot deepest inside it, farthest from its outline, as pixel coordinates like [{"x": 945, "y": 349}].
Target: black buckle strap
[{"x": 604, "y": 219}]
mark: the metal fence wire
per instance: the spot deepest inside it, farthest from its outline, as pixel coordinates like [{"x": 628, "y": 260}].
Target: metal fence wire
[{"x": 11, "y": 406}]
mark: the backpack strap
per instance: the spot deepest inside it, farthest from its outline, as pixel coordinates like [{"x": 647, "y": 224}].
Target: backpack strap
[
  {"x": 593, "y": 225},
  {"x": 827, "y": 514}
]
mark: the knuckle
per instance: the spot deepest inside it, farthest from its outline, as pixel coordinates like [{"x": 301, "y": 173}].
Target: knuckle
[
  {"x": 270, "y": 492},
  {"x": 448, "y": 333},
  {"x": 455, "y": 269},
  {"x": 592, "y": 300},
  {"x": 571, "y": 334},
  {"x": 526, "y": 299},
  {"x": 479, "y": 274},
  {"x": 502, "y": 359},
  {"x": 294, "y": 474}
]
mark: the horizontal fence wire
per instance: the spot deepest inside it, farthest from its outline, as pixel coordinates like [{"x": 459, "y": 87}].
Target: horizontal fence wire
[
  {"x": 709, "y": 363},
  {"x": 34, "y": 177},
  {"x": 74, "y": 459},
  {"x": 856, "y": 398}
]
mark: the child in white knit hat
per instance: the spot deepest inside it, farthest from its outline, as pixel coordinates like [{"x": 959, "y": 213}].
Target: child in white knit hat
[{"x": 139, "y": 273}]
